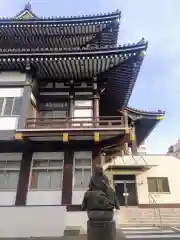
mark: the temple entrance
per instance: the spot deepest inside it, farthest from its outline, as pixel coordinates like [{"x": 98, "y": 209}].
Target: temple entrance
[{"x": 126, "y": 192}]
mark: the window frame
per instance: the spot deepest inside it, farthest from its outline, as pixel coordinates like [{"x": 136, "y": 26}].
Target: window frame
[
  {"x": 156, "y": 179},
  {"x": 6, "y": 169},
  {"x": 78, "y": 105},
  {"x": 81, "y": 155},
  {"x": 43, "y": 168},
  {"x": 12, "y": 107}
]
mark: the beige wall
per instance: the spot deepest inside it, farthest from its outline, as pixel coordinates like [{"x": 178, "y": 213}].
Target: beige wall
[
  {"x": 160, "y": 166},
  {"x": 168, "y": 166}
]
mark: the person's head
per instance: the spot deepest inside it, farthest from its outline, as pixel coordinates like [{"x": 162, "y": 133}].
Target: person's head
[{"x": 98, "y": 170}]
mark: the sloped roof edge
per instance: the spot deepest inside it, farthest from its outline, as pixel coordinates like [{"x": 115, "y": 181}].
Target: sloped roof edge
[
  {"x": 144, "y": 112},
  {"x": 113, "y": 14}
]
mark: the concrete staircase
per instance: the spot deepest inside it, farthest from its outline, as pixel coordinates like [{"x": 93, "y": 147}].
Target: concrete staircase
[{"x": 134, "y": 216}]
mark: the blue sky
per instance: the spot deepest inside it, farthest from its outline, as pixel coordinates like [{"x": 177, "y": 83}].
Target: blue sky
[{"x": 158, "y": 21}]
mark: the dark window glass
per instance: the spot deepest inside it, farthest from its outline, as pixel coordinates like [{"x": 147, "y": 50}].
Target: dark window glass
[
  {"x": 8, "y": 106},
  {"x": 1, "y": 105},
  {"x": 152, "y": 185},
  {"x": 163, "y": 185},
  {"x": 158, "y": 184},
  {"x": 17, "y": 106}
]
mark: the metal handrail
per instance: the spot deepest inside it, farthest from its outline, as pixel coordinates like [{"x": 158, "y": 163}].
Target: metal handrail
[
  {"x": 144, "y": 160},
  {"x": 153, "y": 203},
  {"x": 134, "y": 159}
]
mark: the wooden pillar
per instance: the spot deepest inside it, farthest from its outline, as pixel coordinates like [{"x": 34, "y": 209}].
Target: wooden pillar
[
  {"x": 133, "y": 141},
  {"x": 126, "y": 138},
  {"x": 96, "y": 103},
  {"x": 67, "y": 176},
  {"x": 96, "y": 106},
  {"x": 71, "y": 106},
  {"x": 24, "y": 174},
  {"x": 125, "y": 115},
  {"x": 25, "y": 106}
]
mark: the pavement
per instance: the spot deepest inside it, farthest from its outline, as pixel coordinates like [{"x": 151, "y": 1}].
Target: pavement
[
  {"x": 138, "y": 233},
  {"x": 150, "y": 233},
  {"x": 125, "y": 233}
]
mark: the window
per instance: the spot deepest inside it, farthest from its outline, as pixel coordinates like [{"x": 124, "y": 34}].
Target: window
[
  {"x": 10, "y": 106},
  {"x": 47, "y": 171},
  {"x": 82, "y": 169},
  {"x": 9, "y": 173},
  {"x": 83, "y": 111},
  {"x": 83, "y": 104},
  {"x": 158, "y": 184}
]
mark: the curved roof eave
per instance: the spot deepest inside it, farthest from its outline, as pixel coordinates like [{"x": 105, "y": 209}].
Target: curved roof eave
[
  {"x": 144, "y": 113},
  {"x": 121, "y": 50},
  {"x": 145, "y": 122}
]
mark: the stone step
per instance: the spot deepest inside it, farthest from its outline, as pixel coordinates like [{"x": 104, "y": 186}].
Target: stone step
[
  {"x": 147, "y": 219},
  {"x": 151, "y": 220},
  {"x": 150, "y": 234},
  {"x": 130, "y": 226}
]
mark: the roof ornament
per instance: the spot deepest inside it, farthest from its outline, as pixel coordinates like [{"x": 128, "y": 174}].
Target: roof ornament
[{"x": 28, "y": 6}]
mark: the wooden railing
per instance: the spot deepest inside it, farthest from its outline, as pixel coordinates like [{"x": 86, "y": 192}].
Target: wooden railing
[{"x": 77, "y": 122}]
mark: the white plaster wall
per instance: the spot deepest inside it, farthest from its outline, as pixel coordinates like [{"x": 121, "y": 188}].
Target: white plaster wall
[
  {"x": 12, "y": 77},
  {"x": 8, "y": 123},
  {"x": 11, "y": 92},
  {"x": 77, "y": 196},
  {"x": 39, "y": 221},
  {"x": 167, "y": 166},
  {"x": 77, "y": 219},
  {"x": 43, "y": 221},
  {"x": 7, "y": 198},
  {"x": 44, "y": 197}
]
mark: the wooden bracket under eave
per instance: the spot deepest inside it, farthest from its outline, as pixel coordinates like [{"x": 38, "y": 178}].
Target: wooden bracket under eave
[
  {"x": 19, "y": 136},
  {"x": 65, "y": 137},
  {"x": 127, "y": 130},
  {"x": 96, "y": 137}
]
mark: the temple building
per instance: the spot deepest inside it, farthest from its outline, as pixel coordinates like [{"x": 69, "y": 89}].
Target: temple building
[{"x": 68, "y": 84}]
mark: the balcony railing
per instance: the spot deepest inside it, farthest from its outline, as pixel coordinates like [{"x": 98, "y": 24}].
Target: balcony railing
[{"x": 75, "y": 123}]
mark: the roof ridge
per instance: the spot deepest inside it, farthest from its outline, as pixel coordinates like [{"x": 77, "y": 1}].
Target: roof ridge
[{"x": 117, "y": 13}]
